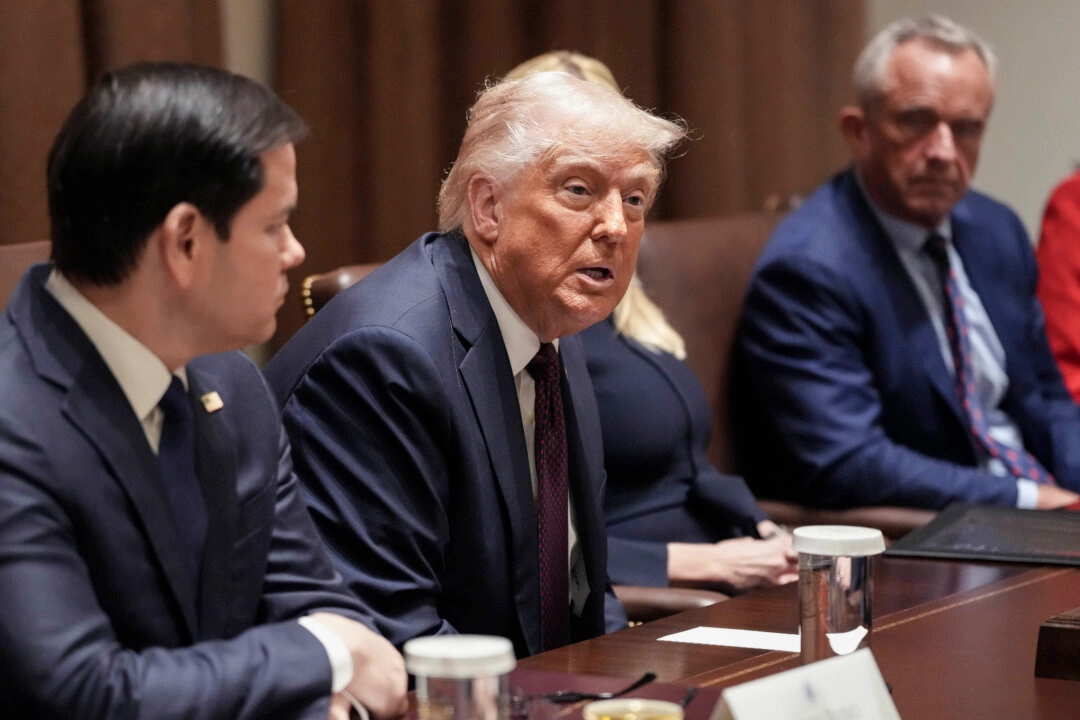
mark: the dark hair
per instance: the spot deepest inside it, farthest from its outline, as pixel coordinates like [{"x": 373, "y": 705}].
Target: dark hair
[{"x": 145, "y": 138}]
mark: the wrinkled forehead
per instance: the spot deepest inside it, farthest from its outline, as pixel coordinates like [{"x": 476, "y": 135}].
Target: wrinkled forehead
[{"x": 625, "y": 163}]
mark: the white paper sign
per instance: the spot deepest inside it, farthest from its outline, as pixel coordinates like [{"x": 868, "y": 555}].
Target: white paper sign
[
  {"x": 846, "y": 687},
  {"x": 758, "y": 639}
]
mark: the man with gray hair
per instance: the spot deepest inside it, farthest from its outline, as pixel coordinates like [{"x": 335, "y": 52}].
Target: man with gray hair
[
  {"x": 891, "y": 350},
  {"x": 442, "y": 417}
]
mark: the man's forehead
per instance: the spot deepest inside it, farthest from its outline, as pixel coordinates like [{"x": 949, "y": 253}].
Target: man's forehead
[{"x": 632, "y": 164}]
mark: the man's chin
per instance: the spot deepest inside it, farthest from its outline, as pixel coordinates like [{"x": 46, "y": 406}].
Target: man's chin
[{"x": 930, "y": 211}]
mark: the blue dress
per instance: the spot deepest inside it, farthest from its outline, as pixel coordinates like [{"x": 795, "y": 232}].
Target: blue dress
[{"x": 661, "y": 487}]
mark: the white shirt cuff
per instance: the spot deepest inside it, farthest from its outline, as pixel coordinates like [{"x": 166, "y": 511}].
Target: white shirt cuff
[
  {"x": 1027, "y": 494},
  {"x": 337, "y": 653}
]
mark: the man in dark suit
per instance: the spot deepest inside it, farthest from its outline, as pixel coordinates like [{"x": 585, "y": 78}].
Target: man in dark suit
[
  {"x": 156, "y": 557},
  {"x": 891, "y": 349},
  {"x": 410, "y": 398}
]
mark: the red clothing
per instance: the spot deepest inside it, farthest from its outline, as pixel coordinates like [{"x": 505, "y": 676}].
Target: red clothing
[{"x": 1059, "y": 278}]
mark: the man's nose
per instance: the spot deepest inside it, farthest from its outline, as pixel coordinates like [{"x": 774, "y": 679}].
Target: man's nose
[
  {"x": 611, "y": 218},
  {"x": 293, "y": 253},
  {"x": 941, "y": 145}
]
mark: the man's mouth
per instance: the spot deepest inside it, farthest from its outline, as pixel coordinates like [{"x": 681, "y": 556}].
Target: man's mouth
[{"x": 597, "y": 273}]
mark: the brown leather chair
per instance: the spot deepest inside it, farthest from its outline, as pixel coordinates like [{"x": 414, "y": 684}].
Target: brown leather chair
[
  {"x": 697, "y": 271},
  {"x": 316, "y": 290},
  {"x": 14, "y": 259}
]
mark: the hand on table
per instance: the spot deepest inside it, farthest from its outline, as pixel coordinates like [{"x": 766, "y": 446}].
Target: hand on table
[
  {"x": 1053, "y": 496},
  {"x": 740, "y": 563},
  {"x": 379, "y": 681}
]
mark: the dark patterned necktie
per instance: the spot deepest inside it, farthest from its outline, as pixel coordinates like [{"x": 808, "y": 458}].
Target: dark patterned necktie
[
  {"x": 176, "y": 454},
  {"x": 1019, "y": 463},
  {"x": 552, "y": 498}
]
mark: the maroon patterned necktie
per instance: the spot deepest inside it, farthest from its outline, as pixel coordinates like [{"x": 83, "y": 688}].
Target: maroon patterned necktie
[
  {"x": 1019, "y": 463},
  {"x": 549, "y": 447}
]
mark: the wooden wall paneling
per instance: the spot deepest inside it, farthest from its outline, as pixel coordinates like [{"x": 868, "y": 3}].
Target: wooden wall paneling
[
  {"x": 321, "y": 74},
  {"x": 41, "y": 77},
  {"x": 119, "y": 32},
  {"x": 705, "y": 85}
]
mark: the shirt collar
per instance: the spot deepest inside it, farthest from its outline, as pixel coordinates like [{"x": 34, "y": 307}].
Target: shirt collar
[
  {"x": 141, "y": 374},
  {"x": 521, "y": 342},
  {"x": 904, "y": 234}
]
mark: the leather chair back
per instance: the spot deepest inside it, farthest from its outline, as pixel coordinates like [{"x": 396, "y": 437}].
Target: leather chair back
[
  {"x": 697, "y": 271},
  {"x": 14, "y": 260}
]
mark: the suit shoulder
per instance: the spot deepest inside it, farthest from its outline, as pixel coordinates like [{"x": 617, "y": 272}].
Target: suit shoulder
[
  {"x": 404, "y": 295},
  {"x": 824, "y": 232},
  {"x": 981, "y": 209}
]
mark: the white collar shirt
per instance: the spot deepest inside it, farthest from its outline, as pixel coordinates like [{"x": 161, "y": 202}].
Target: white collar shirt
[{"x": 142, "y": 376}]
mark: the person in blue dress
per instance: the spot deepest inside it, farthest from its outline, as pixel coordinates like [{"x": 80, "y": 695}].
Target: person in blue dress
[{"x": 672, "y": 517}]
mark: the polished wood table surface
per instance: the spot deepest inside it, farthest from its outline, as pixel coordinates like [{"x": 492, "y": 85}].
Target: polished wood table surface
[{"x": 953, "y": 639}]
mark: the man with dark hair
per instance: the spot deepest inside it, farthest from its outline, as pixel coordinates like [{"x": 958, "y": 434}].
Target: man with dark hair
[
  {"x": 891, "y": 349},
  {"x": 156, "y": 558},
  {"x": 442, "y": 418}
]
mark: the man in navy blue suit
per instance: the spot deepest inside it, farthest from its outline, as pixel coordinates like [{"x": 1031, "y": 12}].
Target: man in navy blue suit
[
  {"x": 410, "y": 397},
  {"x": 891, "y": 349},
  {"x": 156, "y": 557}
]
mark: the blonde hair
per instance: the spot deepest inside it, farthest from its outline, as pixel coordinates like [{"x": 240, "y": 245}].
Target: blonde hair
[
  {"x": 636, "y": 316},
  {"x": 567, "y": 61},
  {"x": 517, "y": 123}
]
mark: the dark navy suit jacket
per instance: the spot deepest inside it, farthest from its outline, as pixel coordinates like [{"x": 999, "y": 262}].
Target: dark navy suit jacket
[
  {"x": 661, "y": 486},
  {"x": 406, "y": 430},
  {"x": 96, "y": 617},
  {"x": 841, "y": 394}
]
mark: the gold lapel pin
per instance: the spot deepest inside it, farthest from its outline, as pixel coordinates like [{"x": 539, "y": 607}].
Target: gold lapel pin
[{"x": 211, "y": 402}]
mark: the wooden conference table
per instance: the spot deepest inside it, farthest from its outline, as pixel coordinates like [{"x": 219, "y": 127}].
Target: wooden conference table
[{"x": 953, "y": 639}]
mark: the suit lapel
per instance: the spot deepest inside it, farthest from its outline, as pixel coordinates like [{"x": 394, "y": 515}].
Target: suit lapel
[
  {"x": 919, "y": 337},
  {"x": 584, "y": 442},
  {"x": 97, "y": 407},
  {"x": 485, "y": 371},
  {"x": 215, "y": 460}
]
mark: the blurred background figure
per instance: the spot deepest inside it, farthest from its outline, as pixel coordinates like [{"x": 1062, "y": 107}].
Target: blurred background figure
[
  {"x": 672, "y": 518},
  {"x": 1059, "y": 278}
]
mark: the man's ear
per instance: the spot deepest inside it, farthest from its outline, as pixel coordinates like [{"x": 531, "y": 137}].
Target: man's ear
[
  {"x": 484, "y": 208},
  {"x": 181, "y": 238},
  {"x": 853, "y": 126}
]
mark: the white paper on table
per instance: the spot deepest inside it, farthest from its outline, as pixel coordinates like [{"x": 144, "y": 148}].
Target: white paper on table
[{"x": 728, "y": 637}]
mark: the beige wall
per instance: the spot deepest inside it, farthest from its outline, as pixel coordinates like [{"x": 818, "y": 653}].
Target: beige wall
[
  {"x": 1034, "y": 136},
  {"x": 247, "y": 39}
]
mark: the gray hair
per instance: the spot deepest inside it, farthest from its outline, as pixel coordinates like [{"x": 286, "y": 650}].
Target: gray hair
[
  {"x": 937, "y": 30},
  {"x": 516, "y": 123}
]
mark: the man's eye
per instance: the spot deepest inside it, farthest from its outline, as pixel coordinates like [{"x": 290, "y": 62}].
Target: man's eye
[
  {"x": 635, "y": 200},
  {"x": 578, "y": 189},
  {"x": 967, "y": 129},
  {"x": 918, "y": 121}
]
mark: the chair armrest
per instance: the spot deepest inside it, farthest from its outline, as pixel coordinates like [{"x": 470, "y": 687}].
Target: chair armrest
[
  {"x": 894, "y": 522},
  {"x": 651, "y": 603}
]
